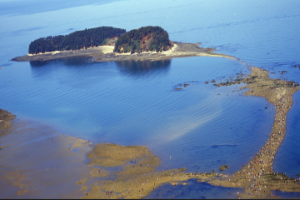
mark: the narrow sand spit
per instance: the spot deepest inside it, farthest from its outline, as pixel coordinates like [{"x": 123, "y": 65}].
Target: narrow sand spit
[{"x": 257, "y": 177}]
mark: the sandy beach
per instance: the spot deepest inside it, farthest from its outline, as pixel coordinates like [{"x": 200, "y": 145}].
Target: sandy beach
[{"x": 106, "y": 54}]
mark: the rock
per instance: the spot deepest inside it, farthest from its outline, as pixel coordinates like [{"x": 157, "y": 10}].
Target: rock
[
  {"x": 182, "y": 169},
  {"x": 5, "y": 115},
  {"x": 223, "y": 167},
  {"x": 206, "y": 82},
  {"x": 185, "y": 85},
  {"x": 4, "y": 124},
  {"x": 178, "y": 88},
  {"x": 283, "y": 72}
]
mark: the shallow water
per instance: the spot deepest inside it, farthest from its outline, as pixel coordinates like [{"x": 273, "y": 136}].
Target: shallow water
[
  {"x": 194, "y": 190},
  {"x": 286, "y": 195},
  {"x": 134, "y": 103}
]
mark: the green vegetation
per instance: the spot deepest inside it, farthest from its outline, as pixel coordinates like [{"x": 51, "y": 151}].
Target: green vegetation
[
  {"x": 76, "y": 40},
  {"x": 150, "y": 38}
]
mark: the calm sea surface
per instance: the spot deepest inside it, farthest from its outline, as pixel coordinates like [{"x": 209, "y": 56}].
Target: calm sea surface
[{"x": 134, "y": 102}]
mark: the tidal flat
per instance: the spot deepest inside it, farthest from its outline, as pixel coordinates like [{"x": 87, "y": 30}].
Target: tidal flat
[{"x": 115, "y": 171}]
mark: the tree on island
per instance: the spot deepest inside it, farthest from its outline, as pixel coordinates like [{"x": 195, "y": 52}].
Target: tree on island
[
  {"x": 150, "y": 38},
  {"x": 76, "y": 40}
]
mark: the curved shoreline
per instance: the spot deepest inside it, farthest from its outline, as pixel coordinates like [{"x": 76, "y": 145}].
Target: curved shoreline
[
  {"x": 257, "y": 177},
  {"x": 106, "y": 54}
]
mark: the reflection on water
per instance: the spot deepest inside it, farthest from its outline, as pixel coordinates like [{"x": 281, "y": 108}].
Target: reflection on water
[
  {"x": 139, "y": 68},
  {"x": 71, "y": 61},
  {"x": 130, "y": 68}
]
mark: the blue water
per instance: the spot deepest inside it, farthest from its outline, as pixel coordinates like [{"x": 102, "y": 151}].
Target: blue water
[
  {"x": 286, "y": 195},
  {"x": 134, "y": 103},
  {"x": 194, "y": 190}
]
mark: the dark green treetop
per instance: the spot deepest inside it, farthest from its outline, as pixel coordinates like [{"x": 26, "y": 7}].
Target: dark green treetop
[
  {"x": 76, "y": 40},
  {"x": 150, "y": 38}
]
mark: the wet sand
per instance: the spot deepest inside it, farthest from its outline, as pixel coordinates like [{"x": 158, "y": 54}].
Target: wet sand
[
  {"x": 106, "y": 54},
  {"x": 38, "y": 162}
]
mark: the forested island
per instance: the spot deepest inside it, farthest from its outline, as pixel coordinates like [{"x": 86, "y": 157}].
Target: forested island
[
  {"x": 150, "y": 38},
  {"x": 104, "y": 44},
  {"x": 76, "y": 40}
]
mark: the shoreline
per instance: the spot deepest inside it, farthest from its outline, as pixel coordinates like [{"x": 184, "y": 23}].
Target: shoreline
[
  {"x": 37, "y": 160},
  {"x": 106, "y": 54},
  {"x": 136, "y": 175},
  {"x": 257, "y": 176}
]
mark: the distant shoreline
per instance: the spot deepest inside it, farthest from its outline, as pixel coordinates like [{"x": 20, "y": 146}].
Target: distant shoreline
[{"x": 106, "y": 54}]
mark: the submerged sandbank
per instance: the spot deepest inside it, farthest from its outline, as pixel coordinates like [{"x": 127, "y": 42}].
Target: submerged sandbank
[
  {"x": 38, "y": 162},
  {"x": 106, "y": 54}
]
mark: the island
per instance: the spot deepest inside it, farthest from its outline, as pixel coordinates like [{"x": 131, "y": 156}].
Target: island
[
  {"x": 116, "y": 171},
  {"x": 104, "y": 44},
  {"x": 75, "y": 41}
]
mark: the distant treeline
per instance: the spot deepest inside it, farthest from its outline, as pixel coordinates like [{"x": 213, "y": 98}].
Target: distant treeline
[
  {"x": 76, "y": 40},
  {"x": 152, "y": 38}
]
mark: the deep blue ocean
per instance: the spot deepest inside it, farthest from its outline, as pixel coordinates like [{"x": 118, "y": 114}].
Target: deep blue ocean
[{"x": 135, "y": 102}]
